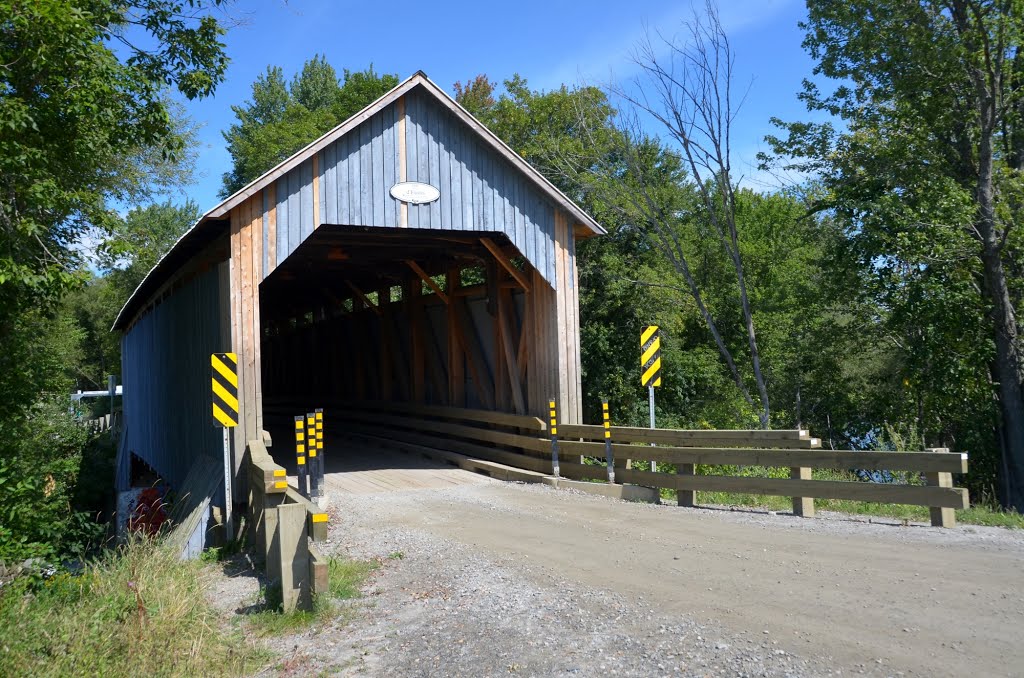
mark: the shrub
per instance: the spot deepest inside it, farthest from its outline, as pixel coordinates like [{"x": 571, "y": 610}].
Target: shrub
[{"x": 42, "y": 507}]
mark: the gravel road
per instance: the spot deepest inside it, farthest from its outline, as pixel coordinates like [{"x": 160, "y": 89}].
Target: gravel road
[{"x": 507, "y": 579}]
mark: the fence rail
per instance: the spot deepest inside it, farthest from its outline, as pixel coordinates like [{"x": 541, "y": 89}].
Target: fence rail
[
  {"x": 717, "y": 438},
  {"x": 514, "y": 440}
]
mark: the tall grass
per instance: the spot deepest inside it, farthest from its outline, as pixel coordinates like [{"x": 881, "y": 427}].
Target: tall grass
[{"x": 137, "y": 612}]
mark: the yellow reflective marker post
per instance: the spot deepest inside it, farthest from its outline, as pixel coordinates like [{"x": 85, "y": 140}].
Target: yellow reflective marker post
[
  {"x": 554, "y": 437},
  {"x": 224, "y": 409},
  {"x": 608, "y": 441},
  {"x": 311, "y": 442},
  {"x": 300, "y": 455},
  {"x": 650, "y": 367},
  {"x": 319, "y": 413}
]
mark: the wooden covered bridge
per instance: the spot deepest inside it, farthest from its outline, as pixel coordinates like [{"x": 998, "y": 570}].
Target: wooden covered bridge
[{"x": 406, "y": 256}]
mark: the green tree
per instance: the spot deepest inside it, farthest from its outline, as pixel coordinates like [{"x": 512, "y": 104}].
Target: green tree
[
  {"x": 627, "y": 281},
  {"x": 125, "y": 257},
  {"x": 686, "y": 88},
  {"x": 145, "y": 235},
  {"x": 80, "y": 100},
  {"x": 926, "y": 176},
  {"x": 476, "y": 96},
  {"x": 280, "y": 118}
]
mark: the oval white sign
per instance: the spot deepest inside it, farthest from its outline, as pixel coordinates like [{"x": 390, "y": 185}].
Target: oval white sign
[{"x": 414, "y": 192}]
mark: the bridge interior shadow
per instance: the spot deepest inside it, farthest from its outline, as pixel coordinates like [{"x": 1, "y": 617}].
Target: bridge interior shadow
[{"x": 344, "y": 453}]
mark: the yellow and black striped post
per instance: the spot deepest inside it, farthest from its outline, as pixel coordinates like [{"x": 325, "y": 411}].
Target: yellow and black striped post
[
  {"x": 554, "y": 437},
  {"x": 319, "y": 412},
  {"x": 608, "y": 441},
  {"x": 650, "y": 367},
  {"x": 300, "y": 455},
  {"x": 224, "y": 408},
  {"x": 314, "y": 480}
]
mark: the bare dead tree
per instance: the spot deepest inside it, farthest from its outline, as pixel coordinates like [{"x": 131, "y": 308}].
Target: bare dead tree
[{"x": 685, "y": 85}]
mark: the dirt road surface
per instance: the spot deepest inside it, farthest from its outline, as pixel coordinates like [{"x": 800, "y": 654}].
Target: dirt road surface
[{"x": 490, "y": 578}]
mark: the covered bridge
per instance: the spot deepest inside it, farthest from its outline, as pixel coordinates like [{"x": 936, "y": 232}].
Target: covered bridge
[{"x": 407, "y": 255}]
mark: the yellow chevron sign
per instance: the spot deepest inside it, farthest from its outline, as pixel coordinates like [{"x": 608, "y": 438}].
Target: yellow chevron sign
[
  {"x": 650, "y": 356},
  {"x": 224, "y": 387}
]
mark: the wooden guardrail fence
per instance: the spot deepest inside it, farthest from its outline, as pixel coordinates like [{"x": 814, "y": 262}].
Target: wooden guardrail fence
[
  {"x": 938, "y": 465},
  {"x": 283, "y": 523},
  {"x": 108, "y": 422},
  {"x": 517, "y": 441}
]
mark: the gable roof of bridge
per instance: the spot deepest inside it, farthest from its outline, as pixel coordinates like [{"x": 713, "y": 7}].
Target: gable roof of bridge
[{"x": 214, "y": 222}]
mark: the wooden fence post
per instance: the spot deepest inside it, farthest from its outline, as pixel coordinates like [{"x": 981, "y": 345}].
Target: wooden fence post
[
  {"x": 802, "y": 506},
  {"x": 941, "y": 516},
  {"x": 686, "y": 498}
]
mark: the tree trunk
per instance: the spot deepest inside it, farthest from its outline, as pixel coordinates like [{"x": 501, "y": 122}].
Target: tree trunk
[{"x": 1008, "y": 360}]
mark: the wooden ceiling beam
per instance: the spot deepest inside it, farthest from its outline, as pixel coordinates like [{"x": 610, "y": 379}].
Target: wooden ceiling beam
[
  {"x": 506, "y": 263},
  {"x": 427, "y": 280},
  {"x": 359, "y": 293}
]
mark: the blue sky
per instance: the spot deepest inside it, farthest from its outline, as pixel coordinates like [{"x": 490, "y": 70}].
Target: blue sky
[{"x": 548, "y": 43}]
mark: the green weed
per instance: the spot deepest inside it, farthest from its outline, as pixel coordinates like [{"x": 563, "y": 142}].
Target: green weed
[
  {"x": 345, "y": 580},
  {"x": 346, "y": 576}
]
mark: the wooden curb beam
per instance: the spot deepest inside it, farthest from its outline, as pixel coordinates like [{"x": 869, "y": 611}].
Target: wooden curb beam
[{"x": 283, "y": 523}]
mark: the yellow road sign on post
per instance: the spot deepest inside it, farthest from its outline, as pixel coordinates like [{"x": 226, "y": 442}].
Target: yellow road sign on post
[
  {"x": 224, "y": 378},
  {"x": 650, "y": 356},
  {"x": 650, "y": 368},
  {"x": 224, "y": 396}
]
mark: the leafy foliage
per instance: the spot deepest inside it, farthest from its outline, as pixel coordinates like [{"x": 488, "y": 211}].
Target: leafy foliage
[
  {"x": 280, "y": 118},
  {"x": 46, "y": 512},
  {"x": 923, "y": 180},
  {"x": 71, "y": 132},
  {"x": 85, "y": 119}
]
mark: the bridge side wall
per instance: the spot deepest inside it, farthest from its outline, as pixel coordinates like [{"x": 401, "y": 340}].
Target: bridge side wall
[{"x": 166, "y": 376}]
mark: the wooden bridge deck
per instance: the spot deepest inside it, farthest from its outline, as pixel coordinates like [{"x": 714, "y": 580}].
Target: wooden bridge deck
[{"x": 356, "y": 467}]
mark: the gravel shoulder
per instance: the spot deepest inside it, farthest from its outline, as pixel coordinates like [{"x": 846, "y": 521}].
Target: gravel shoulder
[{"x": 506, "y": 579}]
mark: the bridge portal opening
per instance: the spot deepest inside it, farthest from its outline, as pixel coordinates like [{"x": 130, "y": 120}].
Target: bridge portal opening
[{"x": 403, "y": 315}]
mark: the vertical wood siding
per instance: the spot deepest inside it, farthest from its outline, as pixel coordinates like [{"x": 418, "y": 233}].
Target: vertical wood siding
[
  {"x": 165, "y": 365},
  {"x": 246, "y": 273},
  {"x": 480, "y": 191}
]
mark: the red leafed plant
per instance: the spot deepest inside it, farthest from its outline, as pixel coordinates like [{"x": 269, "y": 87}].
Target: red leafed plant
[{"x": 149, "y": 512}]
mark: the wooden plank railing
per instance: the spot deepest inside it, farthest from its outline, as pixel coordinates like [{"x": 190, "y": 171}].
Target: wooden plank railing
[
  {"x": 799, "y": 439},
  {"x": 938, "y": 465},
  {"x": 520, "y": 442}
]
